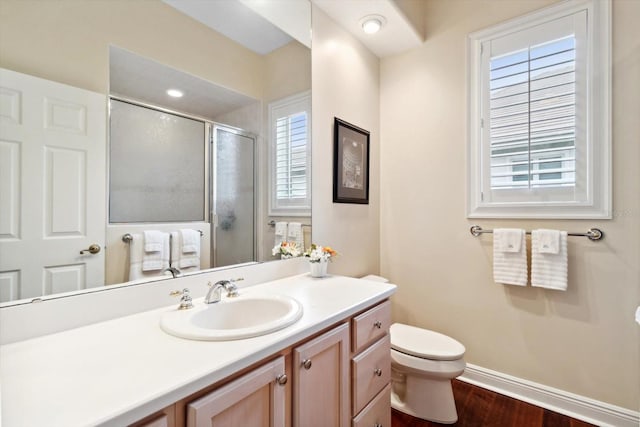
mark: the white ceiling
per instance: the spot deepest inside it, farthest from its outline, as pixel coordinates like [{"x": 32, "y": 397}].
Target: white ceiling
[
  {"x": 396, "y": 36},
  {"x": 235, "y": 20},
  {"x": 142, "y": 79}
]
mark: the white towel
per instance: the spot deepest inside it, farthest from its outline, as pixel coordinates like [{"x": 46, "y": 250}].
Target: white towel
[
  {"x": 549, "y": 270},
  {"x": 136, "y": 256},
  {"x": 190, "y": 241},
  {"x": 509, "y": 256},
  {"x": 294, "y": 234},
  {"x": 547, "y": 241},
  {"x": 153, "y": 240},
  {"x": 280, "y": 232},
  {"x": 184, "y": 262},
  {"x": 156, "y": 260}
]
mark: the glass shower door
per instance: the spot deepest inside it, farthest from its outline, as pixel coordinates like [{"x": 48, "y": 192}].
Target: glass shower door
[{"x": 233, "y": 198}]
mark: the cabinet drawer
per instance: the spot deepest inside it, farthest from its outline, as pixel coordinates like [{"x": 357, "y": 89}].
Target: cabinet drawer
[
  {"x": 370, "y": 325},
  {"x": 371, "y": 371},
  {"x": 376, "y": 413}
]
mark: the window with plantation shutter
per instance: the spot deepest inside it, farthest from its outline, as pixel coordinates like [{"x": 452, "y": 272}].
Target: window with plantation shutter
[
  {"x": 539, "y": 143},
  {"x": 290, "y": 181}
]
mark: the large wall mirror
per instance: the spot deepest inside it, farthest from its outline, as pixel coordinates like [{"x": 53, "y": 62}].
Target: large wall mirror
[{"x": 144, "y": 139}]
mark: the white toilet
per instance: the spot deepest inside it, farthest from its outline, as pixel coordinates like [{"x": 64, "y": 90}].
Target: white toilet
[{"x": 423, "y": 363}]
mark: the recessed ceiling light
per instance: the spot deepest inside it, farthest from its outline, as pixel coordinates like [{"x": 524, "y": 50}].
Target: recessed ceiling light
[
  {"x": 371, "y": 24},
  {"x": 175, "y": 93}
]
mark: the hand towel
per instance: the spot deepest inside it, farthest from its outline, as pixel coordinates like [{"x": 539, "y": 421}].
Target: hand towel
[
  {"x": 509, "y": 256},
  {"x": 294, "y": 234},
  {"x": 280, "y": 232},
  {"x": 136, "y": 257},
  {"x": 184, "y": 262},
  {"x": 153, "y": 240},
  {"x": 549, "y": 270},
  {"x": 156, "y": 260},
  {"x": 190, "y": 241},
  {"x": 548, "y": 241}
]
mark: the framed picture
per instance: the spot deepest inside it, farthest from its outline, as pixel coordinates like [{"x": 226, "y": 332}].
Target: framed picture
[{"x": 350, "y": 163}]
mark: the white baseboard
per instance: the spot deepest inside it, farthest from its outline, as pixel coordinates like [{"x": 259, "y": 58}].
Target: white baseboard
[{"x": 573, "y": 405}]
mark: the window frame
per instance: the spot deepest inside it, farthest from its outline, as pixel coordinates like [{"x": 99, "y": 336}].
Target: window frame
[
  {"x": 277, "y": 208},
  {"x": 596, "y": 203}
]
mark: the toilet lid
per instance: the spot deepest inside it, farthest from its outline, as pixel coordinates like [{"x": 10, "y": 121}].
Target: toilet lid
[{"x": 424, "y": 343}]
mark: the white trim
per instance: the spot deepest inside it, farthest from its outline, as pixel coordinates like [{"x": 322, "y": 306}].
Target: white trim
[
  {"x": 598, "y": 204},
  {"x": 274, "y": 208},
  {"x": 563, "y": 402}
]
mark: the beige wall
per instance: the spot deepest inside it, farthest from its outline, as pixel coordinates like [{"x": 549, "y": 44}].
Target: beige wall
[
  {"x": 67, "y": 41},
  {"x": 345, "y": 81},
  {"x": 583, "y": 340}
]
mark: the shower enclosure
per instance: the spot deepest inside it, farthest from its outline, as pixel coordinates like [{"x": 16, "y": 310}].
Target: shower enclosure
[{"x": 165, "y": 167}]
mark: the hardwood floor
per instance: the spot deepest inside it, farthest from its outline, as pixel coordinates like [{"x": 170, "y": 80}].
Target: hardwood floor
[{"x": 478, "y": 407}]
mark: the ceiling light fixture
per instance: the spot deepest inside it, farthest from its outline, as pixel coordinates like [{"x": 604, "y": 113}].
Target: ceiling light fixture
[
  {"x": 175, "y": 93},
  {"x": 371, "y": 24}
]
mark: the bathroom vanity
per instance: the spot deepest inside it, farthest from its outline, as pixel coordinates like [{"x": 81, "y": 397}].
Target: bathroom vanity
[{"x": 331, "y": 367}]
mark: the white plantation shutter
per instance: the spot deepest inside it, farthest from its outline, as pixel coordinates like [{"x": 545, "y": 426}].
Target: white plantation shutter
[
  {"x": 291, "y": 156},
  {"x": 532, "y": 116},
  {"x": 291, "y": 159},
  {"x": 539, "y": 115}
]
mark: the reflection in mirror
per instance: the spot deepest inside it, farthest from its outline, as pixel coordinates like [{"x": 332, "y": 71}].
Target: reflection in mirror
[{"x": 66, "y": 188}]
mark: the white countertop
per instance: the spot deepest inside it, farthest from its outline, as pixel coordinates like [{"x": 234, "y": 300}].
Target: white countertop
[{"x": 119, "y": 371}]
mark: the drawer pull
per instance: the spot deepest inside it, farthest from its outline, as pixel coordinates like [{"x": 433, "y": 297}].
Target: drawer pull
[
  {"x": 378, "y": 324},
  {"x": 378, "y": 372},
  {"x": 377, "y": 425},
  {"x": 282, "y": 379},
  {"x": 306, "y": 364}
]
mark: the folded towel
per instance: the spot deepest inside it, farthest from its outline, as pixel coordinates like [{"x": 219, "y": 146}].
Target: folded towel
[
  {"x": 136, "y": 259},
  {"x": 185, "y": 262},
  {"x": 508, "y": 240},
  {"x": 549, "y": 270},
  {"x": 153, "y": 240},
  {"x": 294, "y": 234},
  {"x": 547, "y": 241},
  {"x": 157, "y": 260},
  {"x": 509, "y": 256},
  {"x": 280, "y": 232},
  {"x": 190, "y": 241}
]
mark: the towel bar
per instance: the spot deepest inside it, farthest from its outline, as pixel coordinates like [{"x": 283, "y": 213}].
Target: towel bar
[
  {"x": 594, "y": 234},
  {"x": 272, "y": 223},
  {"x": 127, "y": 238}
]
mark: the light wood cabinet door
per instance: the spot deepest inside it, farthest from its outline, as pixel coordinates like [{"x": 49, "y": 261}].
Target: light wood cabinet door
[
  {"x": 164, "y": 418},
  {"x": 321, "y": 380},
  {"x": 256, "y": 399}
]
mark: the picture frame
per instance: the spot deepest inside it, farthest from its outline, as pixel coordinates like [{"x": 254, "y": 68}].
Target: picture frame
[{"x": 350, "y": 163}]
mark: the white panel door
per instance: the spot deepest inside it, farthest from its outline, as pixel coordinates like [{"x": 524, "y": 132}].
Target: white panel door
[{"x": 52, "y": 187}]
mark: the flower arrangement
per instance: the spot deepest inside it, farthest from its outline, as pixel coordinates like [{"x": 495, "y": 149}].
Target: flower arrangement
[
  {"x": 318, "y": 253},
  {"x": 286, "y": 250}
]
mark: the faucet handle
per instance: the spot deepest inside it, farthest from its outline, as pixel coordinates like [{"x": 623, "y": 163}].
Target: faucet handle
[
  {"x": 185, "y": 300},
  {"x": 232, "y": 288}
]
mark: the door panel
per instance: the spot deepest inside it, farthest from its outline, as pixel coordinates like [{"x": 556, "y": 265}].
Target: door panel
[
  {"x": 321, "y": 380},
  {"x": 233, "y": 198},
  {"x": 52, "y": 186}
]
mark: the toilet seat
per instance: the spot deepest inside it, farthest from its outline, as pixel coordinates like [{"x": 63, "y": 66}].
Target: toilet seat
[{"x": 424, "y": 344}]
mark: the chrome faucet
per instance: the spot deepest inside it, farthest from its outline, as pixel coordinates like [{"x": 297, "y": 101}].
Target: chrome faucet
[
  {"x": 215, "y": 291},
  {"x": 174, "y": 271}
]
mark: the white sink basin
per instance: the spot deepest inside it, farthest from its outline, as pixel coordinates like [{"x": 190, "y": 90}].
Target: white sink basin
[{"x": 233, "y": 318}]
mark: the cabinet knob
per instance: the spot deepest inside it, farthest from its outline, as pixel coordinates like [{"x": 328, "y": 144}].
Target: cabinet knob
[
  {"x": 282, "y": 379},
  {"x": 378, "y": 372},
  {"x": 306, "y": 364},
  {"x": 378, "y": 324}
]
